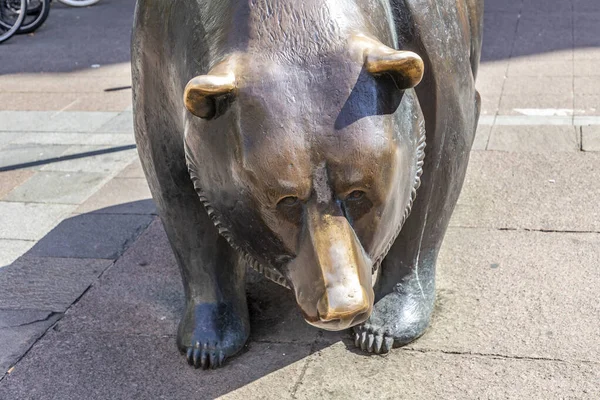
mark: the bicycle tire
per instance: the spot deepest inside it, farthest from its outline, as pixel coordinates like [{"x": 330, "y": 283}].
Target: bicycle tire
[
  {"x": 79, "y": 3},
  {"x": 12, "y": 13},
  {"x": 34, "y": 20}
]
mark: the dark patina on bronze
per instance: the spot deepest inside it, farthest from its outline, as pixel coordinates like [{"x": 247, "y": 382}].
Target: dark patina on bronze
[{"x": 324, "y": 143}]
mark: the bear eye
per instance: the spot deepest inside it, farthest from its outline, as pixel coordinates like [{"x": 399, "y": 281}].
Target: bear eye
[
  {"x": 355, "y": 195},
  {"x": 288, "y": 201}
]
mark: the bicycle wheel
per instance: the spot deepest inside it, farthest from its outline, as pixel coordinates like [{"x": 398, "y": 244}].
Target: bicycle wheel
[
  {"x": 79, "y": 3},
  {"x": 12, "y": 13},
  {"x": 37, "y": 12}
]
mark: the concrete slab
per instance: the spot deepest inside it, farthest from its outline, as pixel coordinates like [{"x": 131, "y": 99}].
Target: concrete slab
[
  {"x": 32, "y": 156},
  {"x": 586, "y": 68},
  {"x": 44, "y": 283},
  {"x": 541, "y": 65},
  {"x": 540, "y": 32},
  {"x": 19, "y": 330},
  {"x": 10, "y": 250},
  {"x": 148, "y": 304},
  {"x": 557, "y": 104},
  {"x": 531, "y": 191},
  {"x": 550, "y": 86},
  {"x": 499, "y": 30},
  {"x": 585, "y": 6},
  {"x": 35, "y": 101},
  {"x": 142, "y": 293},
  {"x": 8, "y": 137},
  {"x": 537, "y": 139},
  {"x": 121, "y": 196},
  {"x": 51, "y": 121},
  {"x": 92, "y": 236},
  {"x": 120, "y": 123},
  {"x": 79, "y": 138},
  {"x": 101, "y": 102},
  {"x": 339, "y": 373},
  {"x": 482, "y": 136},
  {"x": 590, "y": 137},
  {"x": 61, "y": 83},
  {"x": 587, "y": 104},
  {"x": 29, "y": 221},
  {"x": 515, "y": 120},
  {"x": 11, "y": 179},
  {"x": 143, "y": 367},
  {"x": 102, "y": 159},
  {"x": 57, "y": 187},
  {"x": 542, "y": 6},
  {"x": 586, "y": 28},
  {"x": 587, "y": 85},
  {"x": 133, "y": 170},
  {"x": 515, "y": 294}
]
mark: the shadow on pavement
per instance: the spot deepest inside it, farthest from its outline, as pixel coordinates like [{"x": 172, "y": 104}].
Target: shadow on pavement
[{"x": 111, "y": 278}]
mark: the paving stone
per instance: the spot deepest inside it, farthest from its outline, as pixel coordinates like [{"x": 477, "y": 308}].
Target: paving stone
[
  {"x": 542, "y": 85},
  {"x": 586, "y": 67},
  {"x": 92, "y": 236},
  {"x": 19, "y": 330},
  {"x": 10, "y": 250},
  {"x": 35, "y": 156},
  {"x": 129, "y": 304},
  {"x": 515, "y": 120},
  {"x": 57, "y": 187},
  {"x": 540, "y": 32},
  {"x": 144, "y": 367},
  {"x": 29, "y": 221},
  {"x": 590, "y": 136},
  {"x": 586, "y": 28},
  {"x": 11, "y": 179},
  {"x": 45, "y": 283},
  {"x": 588, "y": 104},
  {"x": 101, "y": 102},
  {"x": 538, "y": 139},
  {"x": 143, "y": 293},
  {"x": 61, "y": 83},
  {"x": 133, "y": 170},
  {"x": 531, "y": 191},
  {"x": 8, "y": 137},
  {"x": 508, "y": 6},
  {"x": 498, "y": 33},
  {"x": 489, "y": 104},
  {"x": 517, "y": 294},
  {"x": 339, "y": 373},
  {"x": 514, "y": 104},
  {"x": 536, "y": 66},
  {"x": 51, "y": 121},
  {"x": 121, "y": 123},
  {"x": 587, "y": 85},
  {"x": 94, "y": 159},
  {"x": 79, "y": 138},
  {"x": 546, "y": 7},
  {"x": 121, "y": 196},
  {"x": 585, "y": 6},
  {"x": 35, "y": 101}
]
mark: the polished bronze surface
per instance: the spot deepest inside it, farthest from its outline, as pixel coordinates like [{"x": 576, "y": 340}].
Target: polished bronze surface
[{"x": 323, "y": 143}]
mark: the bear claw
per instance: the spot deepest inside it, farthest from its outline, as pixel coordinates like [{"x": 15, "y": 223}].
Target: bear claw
[
  {"x": 200, "y": 356},
  {"x": 373, "y": 342}
]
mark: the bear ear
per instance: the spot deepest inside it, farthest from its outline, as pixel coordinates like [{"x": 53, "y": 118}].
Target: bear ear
[
  {"x": 405, "y": 67},
  {"x": 200, "y": 92}
]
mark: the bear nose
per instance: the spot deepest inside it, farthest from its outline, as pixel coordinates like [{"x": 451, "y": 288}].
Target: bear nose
[{"x": 343, "y": 306}]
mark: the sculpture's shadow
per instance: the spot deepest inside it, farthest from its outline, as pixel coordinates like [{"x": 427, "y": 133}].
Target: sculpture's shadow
[{"x": 125, "y": 312}]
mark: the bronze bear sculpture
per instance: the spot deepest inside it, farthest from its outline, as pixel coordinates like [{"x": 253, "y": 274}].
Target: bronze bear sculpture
[{"x": 324, "y": 143}]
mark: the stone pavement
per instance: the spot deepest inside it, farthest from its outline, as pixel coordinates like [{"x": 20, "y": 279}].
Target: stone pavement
[{"x": 90, "y": 294}]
